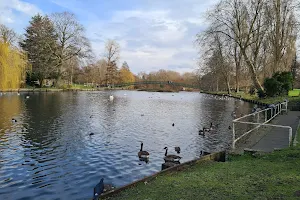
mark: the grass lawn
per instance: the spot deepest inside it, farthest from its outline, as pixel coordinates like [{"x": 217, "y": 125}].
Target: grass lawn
[{"x": 271, "y": 176}]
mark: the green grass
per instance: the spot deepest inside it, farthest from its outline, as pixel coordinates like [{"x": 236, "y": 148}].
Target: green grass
[
  {"x": 80, "y": 86},
  {"x": 272, "y": 176},
  {"x": 298, "y": 138},
  {"x": 294, "y": 93}
]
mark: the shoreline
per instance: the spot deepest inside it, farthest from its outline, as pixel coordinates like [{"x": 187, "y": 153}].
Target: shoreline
[{"x": 22, "y": 90}]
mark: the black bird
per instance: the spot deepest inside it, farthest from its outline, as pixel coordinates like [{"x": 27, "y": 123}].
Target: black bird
[
  {"x": 177, "y": 149},
  {"x": 173, "y": 124},
  {"x": 98, "y": 189},
  {"x": 229, "y": 127},
  {"x": 92, "y": 134}
]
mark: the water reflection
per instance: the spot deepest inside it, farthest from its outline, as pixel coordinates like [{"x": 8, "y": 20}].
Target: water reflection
[{"x": 50, "y": 151}]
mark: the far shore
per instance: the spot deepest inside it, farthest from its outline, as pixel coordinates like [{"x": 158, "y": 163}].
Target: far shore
[{"x": 21, "y": 90}]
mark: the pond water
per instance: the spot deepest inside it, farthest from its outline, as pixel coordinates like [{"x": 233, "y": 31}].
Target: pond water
[{"x": 49, "y": 154}]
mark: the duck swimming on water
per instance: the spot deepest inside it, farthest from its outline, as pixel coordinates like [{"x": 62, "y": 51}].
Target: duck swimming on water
[{"x": 177, "y": 149}]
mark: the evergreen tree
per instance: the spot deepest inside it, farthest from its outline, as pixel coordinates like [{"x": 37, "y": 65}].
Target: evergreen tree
[{"x": 39, "y": 43}]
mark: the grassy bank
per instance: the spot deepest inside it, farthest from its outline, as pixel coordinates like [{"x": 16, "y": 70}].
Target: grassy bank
[
  {"x": 271, "y": 176},
  {"x": 267, "y": 100}
]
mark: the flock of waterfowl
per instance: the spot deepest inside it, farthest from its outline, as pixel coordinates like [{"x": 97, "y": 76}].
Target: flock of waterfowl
[{"x": 144, "y": 155}]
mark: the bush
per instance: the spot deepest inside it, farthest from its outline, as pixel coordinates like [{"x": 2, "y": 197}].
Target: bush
[
  {"x": 261, "y": 94},
  {"x": 252, "y": 90},
  {"x": 279, "y": 84}
]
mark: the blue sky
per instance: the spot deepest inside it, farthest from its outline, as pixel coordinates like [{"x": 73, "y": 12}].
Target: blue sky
[{"x": 153, "y": 34}]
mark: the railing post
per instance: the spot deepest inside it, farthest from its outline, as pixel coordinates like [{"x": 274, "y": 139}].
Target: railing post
[
  {"x": 266, "y": 115},
  {"x": 290, "y": 136},
  {"x": 271, "y": 113},
  {"x": 233, "y": 135}
]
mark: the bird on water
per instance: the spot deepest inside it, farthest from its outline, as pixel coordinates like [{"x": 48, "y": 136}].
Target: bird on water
[
  {"x": 177, "y": 149},
  {"x": 98, "y": 189},
  {"x": 143, "y": 154},
  {"x": 171, "y": 158}
]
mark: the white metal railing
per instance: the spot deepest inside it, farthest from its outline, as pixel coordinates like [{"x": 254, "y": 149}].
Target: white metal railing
[{"x": 273, "y": 111}]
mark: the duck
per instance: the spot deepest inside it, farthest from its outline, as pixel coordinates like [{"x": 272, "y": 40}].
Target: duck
[
  {"x": 143, "y": 154},
  {"x": 27, "y": 97},
  {"x": 177, "y": 149},
  {"x": 98, "y": 189},
  {"x": 173, "y": 124},
  {"x": 171, "y": 158},
  {"x": 92, "y": 134},
  {"x": 202, "y": 131},
  {"x": 229, "y": 127},
  {"x": 13, "y": 120},
  {"x": 208, "y": 129},
  {"x": 111, "y": 97}
]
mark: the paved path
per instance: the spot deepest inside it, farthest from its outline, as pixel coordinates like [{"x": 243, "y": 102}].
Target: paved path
[{"x": 279, "y": 137}]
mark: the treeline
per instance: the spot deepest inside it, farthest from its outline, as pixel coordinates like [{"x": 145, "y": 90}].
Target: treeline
[
  {"x": 54, "y": 51},
  {"x": 248, "y": 41}
]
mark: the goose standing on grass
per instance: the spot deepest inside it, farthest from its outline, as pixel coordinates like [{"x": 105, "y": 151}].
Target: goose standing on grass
[
  {"x": 171, "y": 158},
  {"x": 177, "y": 149},
  {"x": 98, "y": 189},
  {"x": 143, "y": 154}
]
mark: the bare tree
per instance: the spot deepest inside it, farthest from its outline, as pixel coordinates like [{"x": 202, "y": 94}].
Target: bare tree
[
  {"x": 112, "y": 56},
  {"x": 7, "y": 35},
  {"x": 242, "y": 22},
  {"x": 280, "y": 15},
  {"x": 71, "y": 39}
]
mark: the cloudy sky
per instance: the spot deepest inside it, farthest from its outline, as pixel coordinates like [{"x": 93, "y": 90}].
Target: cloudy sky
[{"x": 153, "y": 34}]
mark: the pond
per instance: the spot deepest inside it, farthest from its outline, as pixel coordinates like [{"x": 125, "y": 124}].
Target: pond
[{"x": 49, "y": 153}]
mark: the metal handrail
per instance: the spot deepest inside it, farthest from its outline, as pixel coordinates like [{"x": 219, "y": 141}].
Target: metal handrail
[{"x": 277, "y": 110}]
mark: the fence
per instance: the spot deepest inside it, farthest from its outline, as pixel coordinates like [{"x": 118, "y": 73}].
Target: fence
[{"x": 261, "y": 117}]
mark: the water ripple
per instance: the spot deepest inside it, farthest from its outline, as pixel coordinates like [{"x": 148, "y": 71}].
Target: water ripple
[{"x": 49, "y": 153}]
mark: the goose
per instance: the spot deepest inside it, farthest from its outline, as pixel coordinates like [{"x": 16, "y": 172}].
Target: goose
[
  {"x": 27, "y": 97},
  {"x": 98, "y": 189},
  {"x": 111, "y": 97},
  {"x": 171, "y": 158},
  {"x": 177, "y": 149},
  {"x": 13, "y": 120},
  {"x": 143, "y": 154},
  {"x": 18, "y": 94}
]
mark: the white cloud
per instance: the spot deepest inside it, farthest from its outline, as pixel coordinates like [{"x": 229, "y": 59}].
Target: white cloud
[
  {"x": 149, "y": 40},
  {"x": 153, "y": 34},
  {"x": 15, "y": 13}
]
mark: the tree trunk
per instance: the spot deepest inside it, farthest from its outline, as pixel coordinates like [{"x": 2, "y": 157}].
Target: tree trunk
[
  {"x": 41, "y": 80},
  {"x": 228, "y": 86},
  {"x": 253, "y": 74}
]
